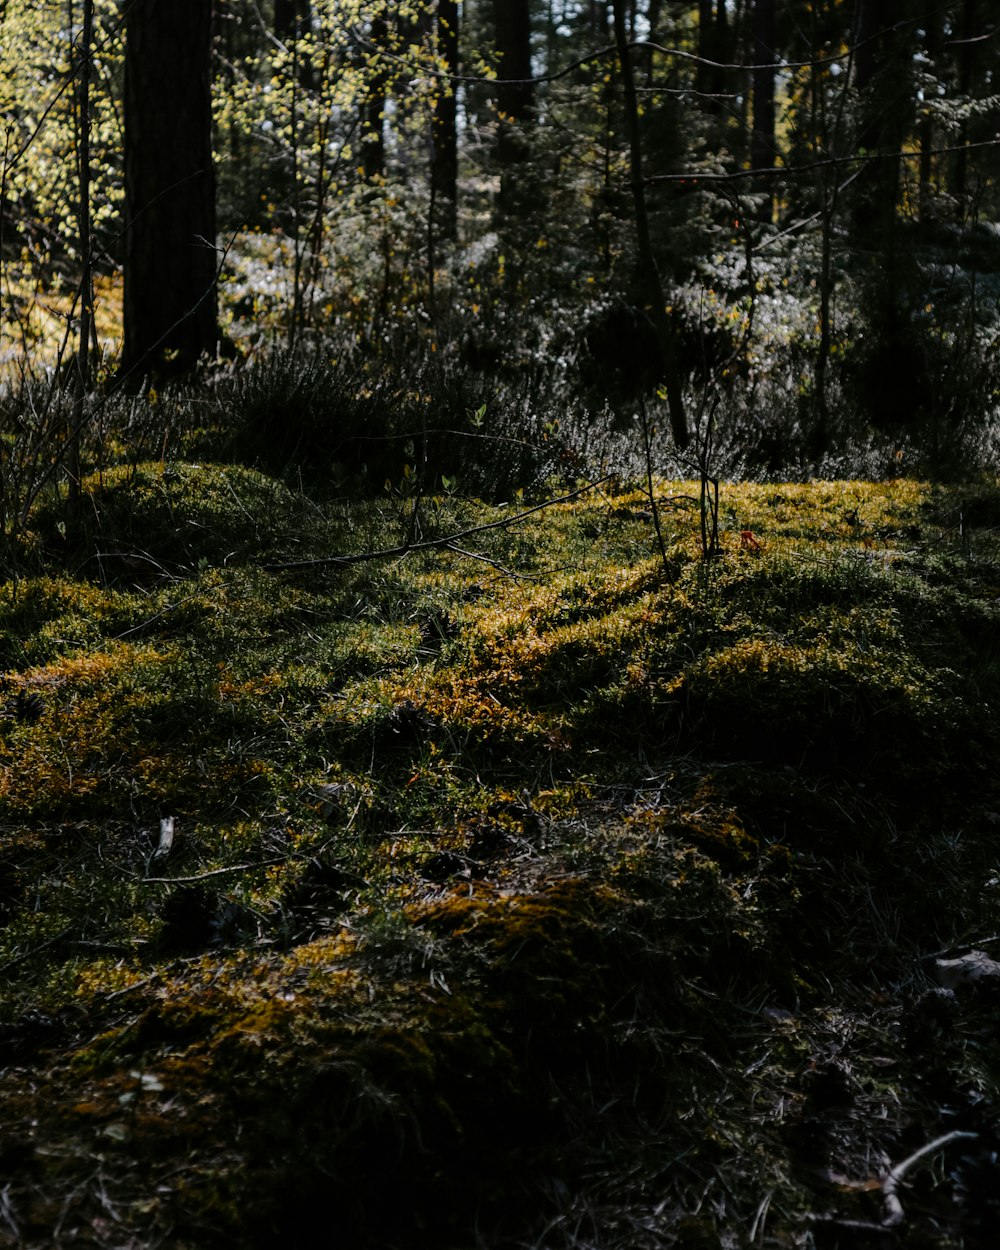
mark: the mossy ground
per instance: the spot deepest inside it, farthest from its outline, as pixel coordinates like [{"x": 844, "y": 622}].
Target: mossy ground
[{"x": 555, "y": 892}]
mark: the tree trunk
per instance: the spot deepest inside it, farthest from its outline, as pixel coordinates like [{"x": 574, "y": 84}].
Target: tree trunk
[
  {"x": 84, "y": 74},
  {"x": 653, "y": 19},
  {"x": 170, "y": 302},
  {"x": 713, "y": 49},
  {"x": 966, "y": 66},
  {"x": 515, "y": 97},
  {"x": 444, "y": 158},
  {"x": 762, "y": 140},
  {"x": 82, "y": 380},
  {"x": 706, "y": 50},
  {"x": 883, "y": 82},
  {"x": 652, "y": 288},
  {"x": 932, "y": 43},
  {"x": 373, "y": 107},
  {"x": 291, "y": 18}
]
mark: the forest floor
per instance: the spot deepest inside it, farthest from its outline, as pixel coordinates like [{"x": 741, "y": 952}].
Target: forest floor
[{"x": 542, "y": 887}]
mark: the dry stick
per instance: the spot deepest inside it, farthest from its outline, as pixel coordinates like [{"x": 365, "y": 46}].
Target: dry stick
[
  {"x": 894, "y": 1214},
  {"x": 893, "y": 1207},
  {"x": 827, "y": 162},
  {"x": 216, "y": 872},
  {"x": 611, "y": 50},
  {"x": 494, "y": 564},
  {"x": 430, "y": 544}
]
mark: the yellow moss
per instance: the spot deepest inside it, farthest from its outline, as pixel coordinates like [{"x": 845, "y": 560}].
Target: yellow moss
[
  {"x": 94, "y": 668},
  {"x": 106, "y": 976}
]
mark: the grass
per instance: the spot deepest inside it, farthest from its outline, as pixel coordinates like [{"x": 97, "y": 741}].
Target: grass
[{"x": 570, "y": 894}]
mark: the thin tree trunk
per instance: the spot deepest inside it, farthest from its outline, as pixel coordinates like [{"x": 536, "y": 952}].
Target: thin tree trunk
[
  {"x": 887, "y": 105},
  {"x": 762, "y": 141},
  {"x": 655, "y": 303},
  {"x": 83, "y": 71},
  {"x": 444, "y": 158},
  {"x": 515, "y": 97},
  {"x": 827, "y": 136},
  {"x": 291, "y": 18},
  {"x": 373, "y": 108},
  {"x": 706, "y": 51},
  {"x": 83, "y": 210},
  {"x": 713, "y": 49},
  {"x": 966, "y": 68},
  {"x": 932, "y": 44},
  {"x": 298, "y": 243}
]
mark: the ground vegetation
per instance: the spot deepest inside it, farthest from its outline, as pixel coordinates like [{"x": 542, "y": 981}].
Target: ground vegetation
[
  {"x": 498, "y": 712},
  {"x": 541, "y": 887}
]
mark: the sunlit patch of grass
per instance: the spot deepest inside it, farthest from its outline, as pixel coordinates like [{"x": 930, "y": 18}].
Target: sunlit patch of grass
[
  {"x": 469, "y": 849},
  {"x": 39, "y": 337}
]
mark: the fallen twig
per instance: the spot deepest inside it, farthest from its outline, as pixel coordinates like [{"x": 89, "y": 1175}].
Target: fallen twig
[
  {"x": 215, "y": 872},
  {"x": 494, "y": 564},
  {"x": 893, "y": 1207},
  {"x": 894, "y": 1214},
  {"x": 429, "y": 544}
]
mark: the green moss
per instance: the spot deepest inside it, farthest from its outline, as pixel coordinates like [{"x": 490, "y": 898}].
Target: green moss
[
  {"x": 472, "y": 873},
  {"x": 147, "y": 519}
]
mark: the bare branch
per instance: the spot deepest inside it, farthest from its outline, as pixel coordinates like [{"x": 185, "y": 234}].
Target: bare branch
[{"x": 430, "y": 544}]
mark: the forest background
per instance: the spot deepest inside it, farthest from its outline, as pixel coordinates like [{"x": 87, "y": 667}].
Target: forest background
[{"x": 772, "y": 224}]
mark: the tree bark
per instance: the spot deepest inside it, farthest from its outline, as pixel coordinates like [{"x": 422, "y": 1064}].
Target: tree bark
[
  {"x": 968, "y": 48},
  {"x": 652, "y": 288},
  {"x": 515, "y": 96},
  {"x": 932, "y": 25},
  {"x": 82, "y": 379},
  {"x": 84, "y": 75},
  {"x": 762, "y": 140},
  {"x": 170, "y": 300},
  {"x": 444, "y": 157},
  {"x": 713, "y": 49},
  {"x": 883, "y": 82},
  {"x": 373, "y": 106}
]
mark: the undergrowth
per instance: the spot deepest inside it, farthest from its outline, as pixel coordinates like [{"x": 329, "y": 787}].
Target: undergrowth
[{"x": 572, "y": 892}]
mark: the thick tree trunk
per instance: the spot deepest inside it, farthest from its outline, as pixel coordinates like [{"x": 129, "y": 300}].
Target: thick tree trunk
[
  {"x": 884, "y": 85},
  {"x": 444, "y": 158},
  {"x": 170, "y": 303}
]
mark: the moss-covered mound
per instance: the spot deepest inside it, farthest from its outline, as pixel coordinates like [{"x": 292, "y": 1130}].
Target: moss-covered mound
[
  {"x": 144, "y": 521},
  {"x": 555, "y": 891}
]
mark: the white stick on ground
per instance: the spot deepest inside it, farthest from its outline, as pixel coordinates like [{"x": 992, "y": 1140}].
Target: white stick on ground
[{"x": 893, "y": 1207}]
